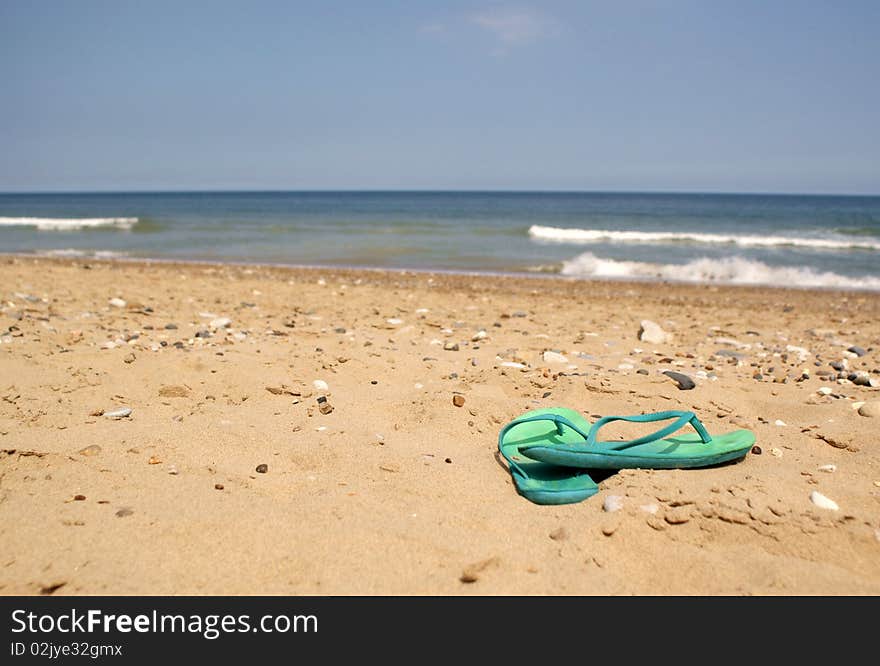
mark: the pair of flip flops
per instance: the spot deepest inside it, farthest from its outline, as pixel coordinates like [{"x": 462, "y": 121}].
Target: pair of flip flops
[{"x": 549, "y": 451}]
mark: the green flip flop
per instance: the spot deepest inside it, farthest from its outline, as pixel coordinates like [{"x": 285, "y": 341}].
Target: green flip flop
[
  {"x": 537, "y": 481},
  {"x": 658, "y": 450}
]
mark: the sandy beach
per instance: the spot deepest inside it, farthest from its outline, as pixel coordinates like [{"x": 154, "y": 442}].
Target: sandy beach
[{"x": 229, "y": 476}]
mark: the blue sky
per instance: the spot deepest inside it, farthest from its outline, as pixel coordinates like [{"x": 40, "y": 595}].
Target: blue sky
[{"x": 642, "y": 95}]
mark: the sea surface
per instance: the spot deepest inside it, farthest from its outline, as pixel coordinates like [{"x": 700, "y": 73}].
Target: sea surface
[{"x": 780, "y": 240}]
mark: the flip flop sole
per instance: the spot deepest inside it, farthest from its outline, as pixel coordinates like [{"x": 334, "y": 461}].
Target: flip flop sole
[
  {"x": 685, "y": 451},
  {"x": 546, "y": 483}
]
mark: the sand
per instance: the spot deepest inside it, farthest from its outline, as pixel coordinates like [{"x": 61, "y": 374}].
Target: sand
[{"x": 397, "y": 490}]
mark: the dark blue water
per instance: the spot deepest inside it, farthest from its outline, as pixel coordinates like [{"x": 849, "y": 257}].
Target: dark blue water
[{"x": 767, "y": 239}]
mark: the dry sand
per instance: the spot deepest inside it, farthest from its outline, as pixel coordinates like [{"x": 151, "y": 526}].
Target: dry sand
[{"x": 397, "y": 490}]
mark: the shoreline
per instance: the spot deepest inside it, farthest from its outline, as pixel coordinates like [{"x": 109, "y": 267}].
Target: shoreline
[
  {"x": 227, "y": 476},
  {"x": 373, "y": 270}
]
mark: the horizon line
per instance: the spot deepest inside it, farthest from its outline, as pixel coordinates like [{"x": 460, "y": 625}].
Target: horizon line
[{"x": 433, "y": 191}]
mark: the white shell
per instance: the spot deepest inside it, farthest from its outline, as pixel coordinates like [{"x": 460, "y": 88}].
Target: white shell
[{"x": 823, "y": 502}]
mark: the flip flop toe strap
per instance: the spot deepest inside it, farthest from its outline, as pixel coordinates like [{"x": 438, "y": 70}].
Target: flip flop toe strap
[{"x": 681, "y": 420}]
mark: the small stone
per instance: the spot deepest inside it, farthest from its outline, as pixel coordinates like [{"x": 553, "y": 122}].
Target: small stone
[
  {"x": 824, "y": 390},
  {"x": 458, "y": 400},
  {"x": 218, "y": 486},
  {"x": 220, "y": 322},
  {"x": 840, "y": 366},
  {"x": 129, "y": 358},
  {"x": 479, "y": 335},
  {"x": 262, "y": 468},
  {"x": 390, "y": 467},
  {"x": 154, "y": 460},
  {"x": 117, "y": 303},
  {"x": 780, "y": 423},
  {"x": 394, "y": 321},
  {"x": 641, "y": 371},
  {"x": 553, "y": 357},
  {"x": 170, "y": 327},
  {"x": 320, "y": 385},
  {"x": 79, "y": 498},
  {"x": 678, "y": 515},
  {"x": 757, "y": 450},
  {"x": 651, "y": 332},
  {"x": 823, "y": 502},
  {"x": 91, "y": 450},
  {"x": 684, "y": 382},
  {"x": 120, "y": 413},
  {"x": 870, "y": 409},
  {"x": 828, "y": 468},
  {"x": 450, "y": 346},
  {"x": 123, "y": 512},
  {"x": 612, "y": 503},
  {"x": 858, "y": 351}
]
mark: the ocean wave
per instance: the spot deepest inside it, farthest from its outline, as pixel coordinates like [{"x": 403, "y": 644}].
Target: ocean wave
[
  {"x": 730, "y": 270},
  {"x": 586, "y": 236},
  {"x": 69, "y": 223},
  {"x": 72, "y": 253}
]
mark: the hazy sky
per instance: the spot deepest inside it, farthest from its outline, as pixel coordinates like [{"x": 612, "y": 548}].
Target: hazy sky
[{"x": 644, "y": 95}]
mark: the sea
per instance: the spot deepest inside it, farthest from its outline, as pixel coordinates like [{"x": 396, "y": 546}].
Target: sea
[{"x": 806, "y": 241}]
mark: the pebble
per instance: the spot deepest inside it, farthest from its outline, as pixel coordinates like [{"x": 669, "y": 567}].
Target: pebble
[
  {"x": 91, "y": 450},
  {"x": 120, "y": 413},
  {"x": 870, "y": 409},
  {"x": 458, "y": 400},
  {"x": 479, "y": 335},
  {"x": 612, "y": 503},
  {"x": 860, "y": 378},
  {"x": 117, "y": 303},
  {"x": 652, "y": 332},
  {"x": 684, "y": 382},
  {"x": 450, "y": 346},
  {"x": 320, "y": 385},
  {"x": 554, "y": 357},
  {"x": 394, "y": 321},
  {"x": 858, "y": 351},
  {"x": 757, "y": 450},
  {"x": 840, "y": 366},
  {"x": 220, "y": 322},
  {"x": 123, "y": 512},
  {"x": 170, "y": 327},
  {"x": 262, "y": 468},
  {"x": 780, "y": 423},
  {"x": 512, "y": 364},
  {"x": 218, "y": 486},
  {"x": 824, "y": 390},
  {"x": 823, "y": 502},
  {"x": 828, "y": 468},
  {"x": 130, "y": 358}
]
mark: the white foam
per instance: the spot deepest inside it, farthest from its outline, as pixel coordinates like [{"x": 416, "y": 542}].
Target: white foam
[
  {"x": 68, "y": 223},
  {"x": 586, "y": 236},
  {"x": 70, "y": 252},
  {"x": 730, "y": 270}
]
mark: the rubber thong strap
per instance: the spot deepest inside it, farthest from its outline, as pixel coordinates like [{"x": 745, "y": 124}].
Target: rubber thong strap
[
  {"x": 558, "y": 420},
  {"x": 681, "y": 419}
]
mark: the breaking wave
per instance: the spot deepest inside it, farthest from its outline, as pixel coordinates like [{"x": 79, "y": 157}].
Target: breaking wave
[
  {"x": 586, "y": 236},
  {"x": 69, "y": 223},
  {"x": 731, "y": 270}
]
